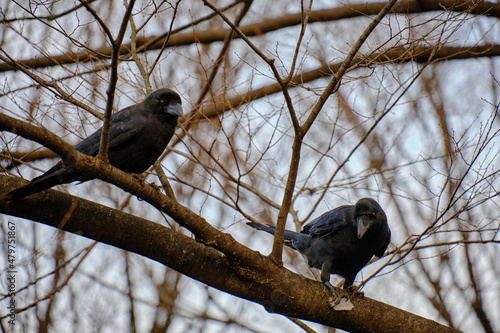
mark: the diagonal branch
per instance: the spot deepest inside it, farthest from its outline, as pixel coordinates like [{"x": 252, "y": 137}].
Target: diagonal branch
[
  {"x": 256, "y": 29},
  {"x": 334, "y": 83},
  {"x": 277, "y": 251},
  {"x": 215, "y": 68},
  {"x": 113, "y": 79},
  {"x": 418, "y": 54},
  {"x": 94, "y": 168},
  {"x": 49, "y": 85},
  {"x": 278, "y": 289}
]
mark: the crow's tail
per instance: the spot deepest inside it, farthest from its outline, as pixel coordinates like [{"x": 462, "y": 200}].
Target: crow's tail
[
  {"x": 267, "y": 228},
  {"x": 33, "y": 187},
  {"x": 290, "y": 236},
  {"x": 55, "y": 176}
]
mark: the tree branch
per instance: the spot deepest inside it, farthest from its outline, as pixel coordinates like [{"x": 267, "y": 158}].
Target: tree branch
[
  {"x": 276, "y": 288},
  {"x": 209, "y": 36},
  {"x": 113, "y": 79},
  {"x": 277, "y": 251},
  {"x": 418, "y": 54}
]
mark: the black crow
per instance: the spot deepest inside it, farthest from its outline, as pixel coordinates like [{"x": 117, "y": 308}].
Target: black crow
[
  {"x": 138, "y": 135},
  {"x": 341, "y": 241}
]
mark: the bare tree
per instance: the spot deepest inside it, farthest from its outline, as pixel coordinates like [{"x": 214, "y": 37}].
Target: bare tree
[{"x": 290, "y": 109}]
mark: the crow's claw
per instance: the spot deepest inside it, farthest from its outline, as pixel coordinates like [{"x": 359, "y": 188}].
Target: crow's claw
[
  {"x": 337, "y": 294},
  {"x": 355, "y": 291}
]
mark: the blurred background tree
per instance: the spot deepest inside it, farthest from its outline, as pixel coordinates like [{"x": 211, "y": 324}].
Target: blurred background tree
[{"x": 292, "y": 107}]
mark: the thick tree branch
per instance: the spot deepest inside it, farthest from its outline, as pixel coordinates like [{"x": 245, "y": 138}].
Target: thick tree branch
[
  {"x": 94, "y": 168},
  {"x": 256, "y": 29},
  {"x": 276, "y": 288},
  {"x": 277, "y": 251},
  {"x": 418, "y": 54}
]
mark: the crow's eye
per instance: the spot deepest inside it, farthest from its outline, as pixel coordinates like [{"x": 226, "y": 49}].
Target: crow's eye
[{"x": 163, "y": 102}]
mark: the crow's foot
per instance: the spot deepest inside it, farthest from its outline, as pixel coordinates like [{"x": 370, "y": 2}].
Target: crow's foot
[
  {"x": 140, "y": 177},
  {"x": 338, "y": 294},
  {"x": 156, "y": 187},
  {"x": 355, "y": 291}
]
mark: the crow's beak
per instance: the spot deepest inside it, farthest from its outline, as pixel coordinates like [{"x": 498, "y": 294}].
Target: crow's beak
[
  {"x": 175, "y": 109},
  {"x": 363, "y": 225}
]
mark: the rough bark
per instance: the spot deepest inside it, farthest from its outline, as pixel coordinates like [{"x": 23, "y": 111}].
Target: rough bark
[
  {"x": 256, "y": 29},
  {"x": 278, "y": 289}
]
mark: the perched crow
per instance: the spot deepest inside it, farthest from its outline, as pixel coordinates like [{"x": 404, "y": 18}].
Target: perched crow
[
  {"x": 341, "y": 241},
  {"x": 138, "y": 135}
]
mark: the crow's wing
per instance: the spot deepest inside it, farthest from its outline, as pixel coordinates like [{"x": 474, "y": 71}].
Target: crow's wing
[
  {"x": 328, "y": 223},
  {"x": 125, "y": 124},
  {"x": 387, "y": 240}
]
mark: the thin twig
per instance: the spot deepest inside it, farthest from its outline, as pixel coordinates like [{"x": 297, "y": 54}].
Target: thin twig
[
  {"x": 277, "y": 251},
  {"x": 113, "y": 79},
  {"x": 164, "y": 180}
]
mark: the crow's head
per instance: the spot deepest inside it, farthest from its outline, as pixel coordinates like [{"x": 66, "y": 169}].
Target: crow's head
[
  {"x": 368, "y": 214},
  {"x": 165, "y": 101}
]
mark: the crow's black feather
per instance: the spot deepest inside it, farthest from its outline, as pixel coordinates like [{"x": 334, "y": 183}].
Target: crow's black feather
[
  {"x": 341, "y": 241},
  {"x": 138, "y": 135}
]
